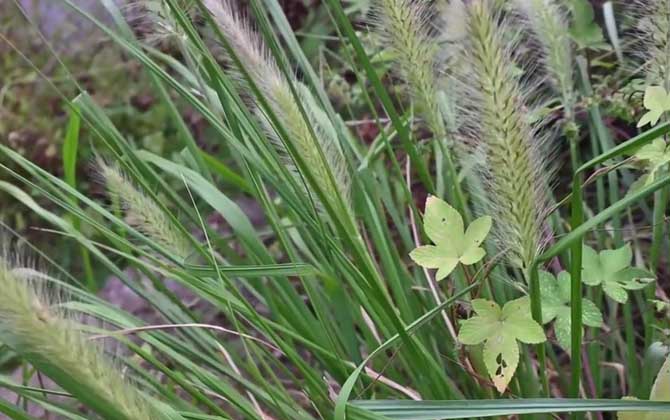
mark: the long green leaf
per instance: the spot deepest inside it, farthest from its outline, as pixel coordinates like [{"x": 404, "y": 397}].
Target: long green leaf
[{"x": 438, "y": 410}]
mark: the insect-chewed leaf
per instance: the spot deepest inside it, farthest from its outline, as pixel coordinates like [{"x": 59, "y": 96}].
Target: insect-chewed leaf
[
  {"x": 500, "y": 329},
  {"x": 501, "y": 356}
]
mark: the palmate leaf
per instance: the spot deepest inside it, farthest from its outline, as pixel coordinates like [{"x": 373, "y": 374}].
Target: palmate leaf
[
  {"x": 453, "y": 243},
  {"x": 653, "y": 157},
  {"x": 656, "y": 101},
  {"x": 556, "y": 300},
  {"x": 611, "y": 269},
  {"x": 499, "y": 330}
]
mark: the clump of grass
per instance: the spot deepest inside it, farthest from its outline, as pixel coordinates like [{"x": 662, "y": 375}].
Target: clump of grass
[
  {"x": 494, "y": 106},
  {"x": 141, "y": 212},
  {"x": 53, "y": 342},
  {"x": 313, "y": 137}
]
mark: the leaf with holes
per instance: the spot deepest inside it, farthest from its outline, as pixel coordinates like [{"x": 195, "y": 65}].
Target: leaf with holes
[
  {"x": 499, "y": 330},
  {"x": 453, "y": 243},
  {"x": 556, "y": 306},
  {"x": 611, "y": 269}
]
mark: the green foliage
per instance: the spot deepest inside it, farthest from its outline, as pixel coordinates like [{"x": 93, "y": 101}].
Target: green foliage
[
  {"x": 659, "y": 392},
  {"x": 611, "y": 269},
  {"x": 54, "y": 344},
  {"x": 556, "y": 306},
  {"x": 499, "y": 330},
  {"x": 267, "y": 235},
  {"x": 652, "y": 158},
  {"x": 657, "y": 102},
  {"x": 584, "y": 30},
  {"x": 453, "y": 243}
]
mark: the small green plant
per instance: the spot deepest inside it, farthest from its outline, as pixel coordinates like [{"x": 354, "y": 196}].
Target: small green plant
[
  {"x": 657, "y": 103},
  {"x": 611, "y": 270},
  {"x": 499, "y": 330},
  {"x": 556, "y": 307},
  {"x": 652, "y": 159},
  {"x": 453, "y": 243}
]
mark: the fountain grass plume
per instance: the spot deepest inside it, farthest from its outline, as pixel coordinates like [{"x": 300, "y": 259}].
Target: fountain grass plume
[
  {"x": 495, "y": 108},
  {"x": 53, "y": 343},
  {"x": 548, "y": 22},
  {"x": 329, "y": 169},
  {"x": 141, "y": 212},
  {"x": 153, "y": 20},
  {"x": 652, "y": 39},
  {"x": 404, "y": 28}
]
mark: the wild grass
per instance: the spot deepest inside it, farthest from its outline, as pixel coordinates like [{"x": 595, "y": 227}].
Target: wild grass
[{"x": 305, "y": 304}]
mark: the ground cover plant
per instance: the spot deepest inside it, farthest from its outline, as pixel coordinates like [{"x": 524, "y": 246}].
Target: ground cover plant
[{"x": 411, "y": 210}]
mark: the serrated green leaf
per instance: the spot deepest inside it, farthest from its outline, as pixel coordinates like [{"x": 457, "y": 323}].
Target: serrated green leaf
[
  {"x": 651, "y": 158},
  {"x": 591, "y": 315},
  {"x": 501, "y": 357},
  {"x": 442, "y": 222},
  {"x": 657, "y": 102},
  {"x": 430, "y": 256},
  {"x": 474, "y": 236},
  {"x": 556, "y": 300},
  {"x": 611, "y": 269},
  {"x": 500, "y": 330},
  {"x": 453, "y": 244}
]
